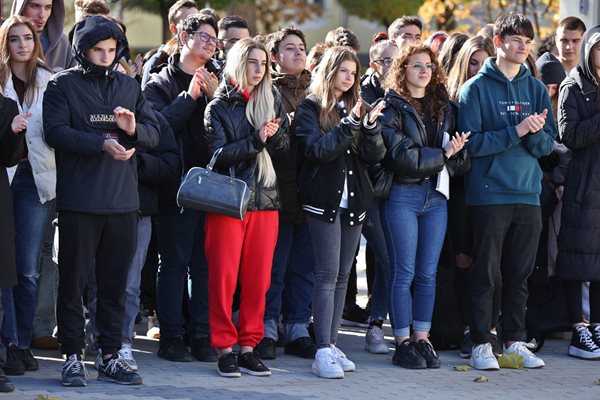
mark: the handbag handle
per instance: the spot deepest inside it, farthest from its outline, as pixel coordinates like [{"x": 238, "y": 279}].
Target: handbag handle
[{"x": 213, "y": 161}]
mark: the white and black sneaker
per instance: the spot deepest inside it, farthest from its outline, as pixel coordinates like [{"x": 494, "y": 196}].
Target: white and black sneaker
[
  {"x": 251, "y": 364},
  {"x": 595, "y": 330},
  {"x": 227, "y": 365},
  {"x": 74, "y": 372},
  {"x": 582, "y": 344},
  {"x": 116, "y": 370}
]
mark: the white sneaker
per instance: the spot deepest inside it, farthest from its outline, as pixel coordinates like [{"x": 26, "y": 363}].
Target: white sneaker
[
  {"x": 530, "y": 360},
  {"x": 326, "y": 366},
  {"x": 342, "y": 360},
  {"x": 127, "y": 355},
  {"x": 376, "y": 343},
  {"x": 153, "y": 327},
  {"x": 483, "y": 358}
]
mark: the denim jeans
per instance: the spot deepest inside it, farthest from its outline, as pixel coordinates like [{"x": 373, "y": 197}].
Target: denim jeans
[
  {"x": 373, "y": 232},
  {"x": 292, "y": 281},
  {"x": 414, "y": 220},
  {"x": 30, "y": 226},
  {"x": 334, "y": 245},
  {"x": 181, "y": 246}
]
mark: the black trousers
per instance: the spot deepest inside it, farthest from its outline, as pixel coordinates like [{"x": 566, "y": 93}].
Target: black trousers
[
  {"x": 506, "y": 238},
  {"x": 573, "y": 299},
  {"x": 106, "y": 243}
]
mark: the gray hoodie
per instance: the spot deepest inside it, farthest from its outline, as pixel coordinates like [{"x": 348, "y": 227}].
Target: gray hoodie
[{"x": 58, "y": 51}]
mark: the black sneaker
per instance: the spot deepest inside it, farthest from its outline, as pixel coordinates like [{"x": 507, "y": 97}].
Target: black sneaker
[
  {"x": 355, "y": 316},
  {"x": 228, "y": 366},
  {"x": 595, "y": 331},
  {"x": 466, "y": 346},
  {"x": 303, "y": 347},
  {"x": 5, "y": 384},
  {"x": 116, "y": 370},
  {"x": 267, "y": 349},
  {"x": 73, "y": 371},
  {"x": 13, "y": 365},
  {"x": 28, "y": 359},
  {"x": 429, "y": 354},
  {"x": 582, "y": 344},
  {"x": 496, "y": 344},
  {"x": 174, "y": 349},
  {"x": 407, "y": 356},
  {"x": 201, "y": 349},
  {"x": 250, "y": 363}
]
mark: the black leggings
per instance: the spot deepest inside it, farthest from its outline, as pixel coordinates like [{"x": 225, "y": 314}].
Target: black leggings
[{"x": 574, "y": 306}]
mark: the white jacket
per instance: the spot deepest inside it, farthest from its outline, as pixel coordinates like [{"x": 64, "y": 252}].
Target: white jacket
[{"x": 41, "y": 157}]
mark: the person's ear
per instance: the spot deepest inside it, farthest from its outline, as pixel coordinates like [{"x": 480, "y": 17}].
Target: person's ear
[
  {"x": 497, "y": 41},
  {"x": 183, "y": 36}
]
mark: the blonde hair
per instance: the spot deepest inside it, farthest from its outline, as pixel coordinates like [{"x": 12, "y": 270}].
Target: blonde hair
[
  {"x": 459, "y": 73},
  {"x": 322, "y": 85},
  {"x": 261, "y": 104}
]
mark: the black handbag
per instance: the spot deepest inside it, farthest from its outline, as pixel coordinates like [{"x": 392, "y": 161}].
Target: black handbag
[
  {"x": 382, "y": 180},
  {"x": 203, "y": 189}
]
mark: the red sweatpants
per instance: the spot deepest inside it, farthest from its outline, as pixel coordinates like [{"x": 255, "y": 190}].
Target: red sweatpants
[{"x": 245, "y": 249}]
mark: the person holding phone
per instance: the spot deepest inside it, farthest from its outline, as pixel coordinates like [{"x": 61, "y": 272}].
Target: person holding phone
[
  {"x": 415, "y": 127},
  {"x": 247, "y": 122},
  {"x": 334, "y": 148}
]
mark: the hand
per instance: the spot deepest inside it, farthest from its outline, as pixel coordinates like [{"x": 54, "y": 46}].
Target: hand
[
  {"x": 560, "y": 190},
  {"x": 116, "y": 151},
  {"x": 208, "y": 82},
  {"x": 269, "y": 129},
  {"x": 195, "y": 90},
  {"x": 136, "y": 66},
  {"x": 376, "y": 112},
  {"x": 19, "y": 122},
  {"x": 532, "y": 124},
  {"x": 456, "y": 144},
  {"x": 125, "y": 120},
  {"x": 358, "y": 109}
]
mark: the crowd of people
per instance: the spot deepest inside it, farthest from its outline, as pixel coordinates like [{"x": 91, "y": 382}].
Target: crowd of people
[{"x": 467, "y": 140}]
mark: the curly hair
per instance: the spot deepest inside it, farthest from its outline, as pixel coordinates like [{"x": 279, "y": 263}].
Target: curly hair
[{"x": 436, "y": 95}]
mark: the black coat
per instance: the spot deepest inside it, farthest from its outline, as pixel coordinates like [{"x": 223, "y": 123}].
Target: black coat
[
  {"x": 326, "y": 159},
  {"x": 408, "y": 156},
  {"x": 227, "y": 127},
  {"x": 579, "y": 127},
  {"x": 370, "y": 88},
  {"x": 11, "y": 151}
]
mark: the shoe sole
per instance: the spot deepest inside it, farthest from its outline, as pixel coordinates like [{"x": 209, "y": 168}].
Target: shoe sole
[
  {"x": 230, "y": 374},
  {"x": 582, "y": 354},
  {"x": 255, "y": 373},
  {"x": 328, "y": 375},
  {"x": 377, "y": 349},
  {"x": 109, "y": 379},
  {"x": 75, "y": 383},
  {"x": 464, "y": 355},
  {"x": 410, "y": 367},
  {"x": 490, "y": 368}
]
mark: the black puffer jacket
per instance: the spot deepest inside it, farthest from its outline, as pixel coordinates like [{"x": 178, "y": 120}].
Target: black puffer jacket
[
  {"x": 578, "y": 124},
  {"x": 408, "y": 156},
  {"x": 293, "y": 90},
  {"x": 327, "y": 159},
  {"x": 370, "y": 88},
  {"x": 227, "y": 127}
]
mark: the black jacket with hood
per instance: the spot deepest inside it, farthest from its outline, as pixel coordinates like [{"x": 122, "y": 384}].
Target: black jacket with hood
[
  {"x": 227, "y": 127},
  {"x": 167, "y": 93},
  {"x": 409, "y": 156},
  {"x": 370, "y": 87},
  {"x": 579, "y": 128},
  {"x": 78, "y": 113},
  {"x": 57, "y": 52}
]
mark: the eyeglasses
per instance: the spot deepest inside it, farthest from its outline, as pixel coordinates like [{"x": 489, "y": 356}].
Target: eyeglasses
[
  {"x": 205, "y": 37},
  {"x": 421, "y": 67},
  {"x": 384, "y": 61}
]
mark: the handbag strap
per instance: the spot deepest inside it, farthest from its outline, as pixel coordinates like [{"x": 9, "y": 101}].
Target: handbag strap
[{"x": 213, "y": 161}]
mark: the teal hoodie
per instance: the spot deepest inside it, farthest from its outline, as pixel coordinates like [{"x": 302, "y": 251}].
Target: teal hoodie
[{"x": 504, "y": 167}]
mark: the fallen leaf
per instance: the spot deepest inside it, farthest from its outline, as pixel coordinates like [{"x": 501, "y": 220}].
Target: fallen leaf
[
  {"x": 45, "y": 397},
  {"x": 482, "y": 379},
  {"x": 598, "y": 381},
  {"x": 513, "y": 361},
  {"x": 461, "y": 368}
]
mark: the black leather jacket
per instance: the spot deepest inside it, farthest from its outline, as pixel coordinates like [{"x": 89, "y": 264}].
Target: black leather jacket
[
  {"x": 404, "y": 136},
  {"x": 226, "y": 126}
]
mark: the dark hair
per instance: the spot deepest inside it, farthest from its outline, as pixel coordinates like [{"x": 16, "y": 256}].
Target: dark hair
[
  {"x": 572, "y": 24},
  {"x": 449, "y": 50},
  {"x": 435, "y": 93},
  {"x": 275, "y": 38},
  {"x": 193, "y": 22},
  {"x": 315, "y": 55},
  {"x": 378, "y": 37},
  {"x": 211, "y": 12},
  {"x": 232, "y": 21},
  {"x": 95, "y": 7},
  {"x": 546, "y": 46},
  {"x": 513, "y": 24},
  {"x": 341, "y": 36},
  {"x": 401, "y": 23},
  {"x": 178, "y": 5}
]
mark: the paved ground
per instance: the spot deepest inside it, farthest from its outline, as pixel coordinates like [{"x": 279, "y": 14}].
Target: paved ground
[{"x": 376, "y": 377}]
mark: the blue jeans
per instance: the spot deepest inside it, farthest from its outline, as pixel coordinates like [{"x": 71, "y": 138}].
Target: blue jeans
[
  {"x": 181, "y": 247},
  {"x": 31, "y": 218},
  {"x": 414, "y": 221},
  {"x": 373, "y": 232},
  {"x": 292, "y": 279}
]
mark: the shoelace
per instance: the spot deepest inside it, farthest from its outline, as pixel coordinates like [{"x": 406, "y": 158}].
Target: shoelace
[
  {"x": 376, "y": 333},
  {"x": 126, "y": 353},
  {"x": 585, "y": 337},
  {"x": 337, "y": 352},
  {"x": 115, "y": 364},
  {"x": 480, "y": 350},
  {"x": 75, "y": 366},
  {"x": 522, "y": 350}
]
